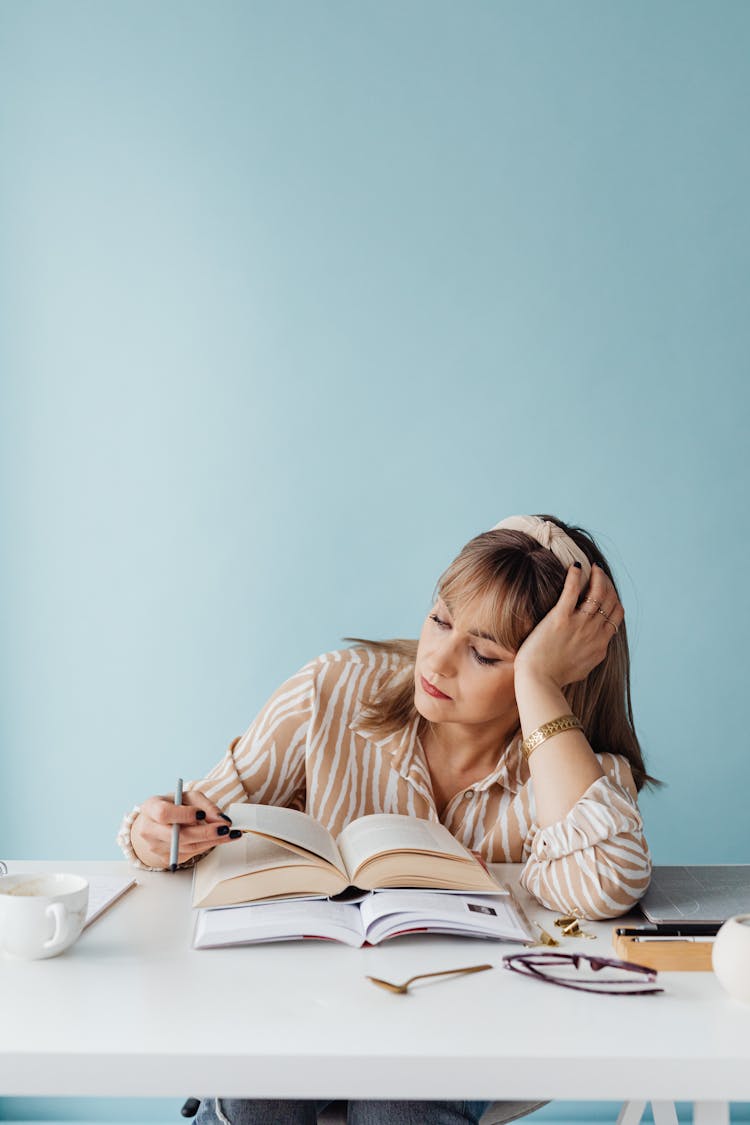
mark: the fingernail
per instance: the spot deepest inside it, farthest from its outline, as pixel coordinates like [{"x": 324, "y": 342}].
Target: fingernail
[
  {"x": 200, "y": 814},
  {"x": 223, "y": 831},
  {"x": 235, "y": 834},
  {"x": 224, "y": 816},
  {"x": 577, "y": 564}
]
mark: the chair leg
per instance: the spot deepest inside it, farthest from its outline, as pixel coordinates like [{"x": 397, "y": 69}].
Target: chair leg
[
  {"x": 631, "y": 1113},
  {"x": 665, "y": 1113},
  {"x": 710, "y": 1113}
]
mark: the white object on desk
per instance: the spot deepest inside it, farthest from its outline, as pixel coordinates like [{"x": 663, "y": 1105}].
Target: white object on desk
[
  {"x": 731, "y": 956},
  {"x": 41, "y": 913}
]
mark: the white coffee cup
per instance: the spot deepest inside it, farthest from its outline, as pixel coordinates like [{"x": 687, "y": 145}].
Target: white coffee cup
[
  {"x": 41, "y": 915},
  {"x": 731, "y": 956}
]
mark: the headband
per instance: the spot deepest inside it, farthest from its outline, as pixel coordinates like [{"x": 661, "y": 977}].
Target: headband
[{"x": 550, "y": 536}]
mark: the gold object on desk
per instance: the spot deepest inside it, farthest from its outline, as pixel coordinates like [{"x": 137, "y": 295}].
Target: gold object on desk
[
  {"x": 402, "y": 988},
  {"x": 544, "y": 937},
  {"x": 571, "y": 927},
  {"x": 574, "y": 930}
]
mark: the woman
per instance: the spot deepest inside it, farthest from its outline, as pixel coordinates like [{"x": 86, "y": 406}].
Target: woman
[{"x": 509, "y": 721}]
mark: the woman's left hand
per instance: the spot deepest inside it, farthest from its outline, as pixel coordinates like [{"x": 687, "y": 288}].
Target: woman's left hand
[{"x": 573, "y": 638}]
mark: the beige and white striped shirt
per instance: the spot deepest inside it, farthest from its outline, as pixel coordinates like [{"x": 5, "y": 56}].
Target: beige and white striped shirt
[{"x": 309, "y": 748}]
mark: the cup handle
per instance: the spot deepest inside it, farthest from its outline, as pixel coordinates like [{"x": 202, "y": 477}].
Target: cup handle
[{"x": 56, "y": 911}]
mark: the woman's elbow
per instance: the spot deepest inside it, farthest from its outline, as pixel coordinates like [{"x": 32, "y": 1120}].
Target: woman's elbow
[
  {"x": 617, "y": 893},
  {"x": 593, "y": 887}
]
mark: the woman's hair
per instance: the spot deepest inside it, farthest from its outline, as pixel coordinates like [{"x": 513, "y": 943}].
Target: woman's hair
[{"x": 518, "y": 581}]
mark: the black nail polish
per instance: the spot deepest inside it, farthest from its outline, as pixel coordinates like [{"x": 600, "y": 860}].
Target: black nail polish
[
  {"x": 235, "y": 834},
  {"x": 224, "y": 816},
  {"x": 200, "y": 814},
  {"x": 223, "y": 831},
  {"x": 577, "y": 564}
]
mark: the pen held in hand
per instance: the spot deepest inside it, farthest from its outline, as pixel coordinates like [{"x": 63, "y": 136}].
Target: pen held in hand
[{"x": 174, "y": 851}]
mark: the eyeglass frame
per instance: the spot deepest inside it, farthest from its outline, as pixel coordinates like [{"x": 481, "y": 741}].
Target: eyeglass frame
[{"x": 527, "y": 964}]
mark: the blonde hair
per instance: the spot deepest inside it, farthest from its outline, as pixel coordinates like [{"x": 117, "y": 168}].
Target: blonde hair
[{"x": 517, "y": 581}]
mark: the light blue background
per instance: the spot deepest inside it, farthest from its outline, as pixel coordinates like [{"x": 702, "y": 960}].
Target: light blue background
[{"x": 297, "y": 297}]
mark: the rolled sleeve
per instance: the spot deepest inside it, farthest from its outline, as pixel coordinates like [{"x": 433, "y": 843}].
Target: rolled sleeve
[{"x": 595, "y": 862}]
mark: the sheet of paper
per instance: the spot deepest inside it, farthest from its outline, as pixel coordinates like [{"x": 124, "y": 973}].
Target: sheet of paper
[{"x": 103, "y": 891}]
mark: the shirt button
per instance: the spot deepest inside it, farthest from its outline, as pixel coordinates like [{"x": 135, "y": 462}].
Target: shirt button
[{"x": 469, "y": 794}]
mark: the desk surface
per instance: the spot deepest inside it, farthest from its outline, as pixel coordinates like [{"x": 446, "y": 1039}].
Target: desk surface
[{"x": 132, "y": 1010}]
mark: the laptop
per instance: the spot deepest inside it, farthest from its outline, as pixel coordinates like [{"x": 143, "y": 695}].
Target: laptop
[{"x": 697, "y": 894}]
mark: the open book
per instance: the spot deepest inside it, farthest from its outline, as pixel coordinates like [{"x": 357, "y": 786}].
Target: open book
[
  {"x": 380, "y": 915},
  {"x": 284, "y": 853}
]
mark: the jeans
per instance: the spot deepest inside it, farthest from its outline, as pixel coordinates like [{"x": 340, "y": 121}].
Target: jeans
[{"x": 242, "y": 1111}]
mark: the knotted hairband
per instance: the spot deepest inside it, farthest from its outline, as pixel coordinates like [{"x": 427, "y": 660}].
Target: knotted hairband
[{"x": 550, "y": 536}]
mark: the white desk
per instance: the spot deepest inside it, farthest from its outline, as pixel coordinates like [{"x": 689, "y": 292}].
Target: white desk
[{"x": 131, "y": 1010}]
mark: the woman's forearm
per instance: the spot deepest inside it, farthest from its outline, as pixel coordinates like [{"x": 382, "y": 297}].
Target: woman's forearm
[{"x": 563, "y": 767}]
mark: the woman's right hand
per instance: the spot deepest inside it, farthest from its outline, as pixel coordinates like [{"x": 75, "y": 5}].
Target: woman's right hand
[{"x": 202, "y": 825}]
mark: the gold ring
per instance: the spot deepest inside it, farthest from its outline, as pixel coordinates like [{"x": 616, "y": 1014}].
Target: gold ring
[
  {"x": 593, "y": 602},
  {"x": 612, "y": 624}
]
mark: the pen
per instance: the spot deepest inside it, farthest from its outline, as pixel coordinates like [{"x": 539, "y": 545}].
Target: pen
[
  {"x": 175, "y": 848},
  {"x": 650, "y": 939},
  {"x": 676, "y": 929}
]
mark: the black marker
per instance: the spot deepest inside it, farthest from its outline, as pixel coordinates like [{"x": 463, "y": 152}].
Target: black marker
[{"x": 671, "y": 929}]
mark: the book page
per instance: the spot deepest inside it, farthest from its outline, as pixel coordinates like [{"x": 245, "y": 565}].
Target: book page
[
  {"x": 282, "y": 921},
  {"x": 288, "y": 827},
  {"x": 392, "y": 832},
  {"x": 389, "y": 913},
  {"x": 256, "y": 866}
]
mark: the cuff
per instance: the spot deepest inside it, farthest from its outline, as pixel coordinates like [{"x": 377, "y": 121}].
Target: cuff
[
  {"x": 123, "y": 839},
  {"x": 604, "y": 811}
]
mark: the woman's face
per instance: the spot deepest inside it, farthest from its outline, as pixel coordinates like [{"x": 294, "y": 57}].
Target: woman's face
[{"x": 461, "y": 674}]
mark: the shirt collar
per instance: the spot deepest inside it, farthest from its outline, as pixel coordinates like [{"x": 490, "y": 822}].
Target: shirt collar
[{"x": 511, "y": 772}]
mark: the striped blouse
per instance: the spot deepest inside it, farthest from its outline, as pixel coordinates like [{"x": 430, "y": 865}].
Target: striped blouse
[{"x": 310, "y": 749}]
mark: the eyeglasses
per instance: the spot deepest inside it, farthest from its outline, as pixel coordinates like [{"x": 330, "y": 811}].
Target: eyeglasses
[{"x": 577, "y": 970}]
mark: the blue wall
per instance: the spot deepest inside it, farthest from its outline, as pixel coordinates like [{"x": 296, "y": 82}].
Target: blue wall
[{"x": 298, "y": 296}]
